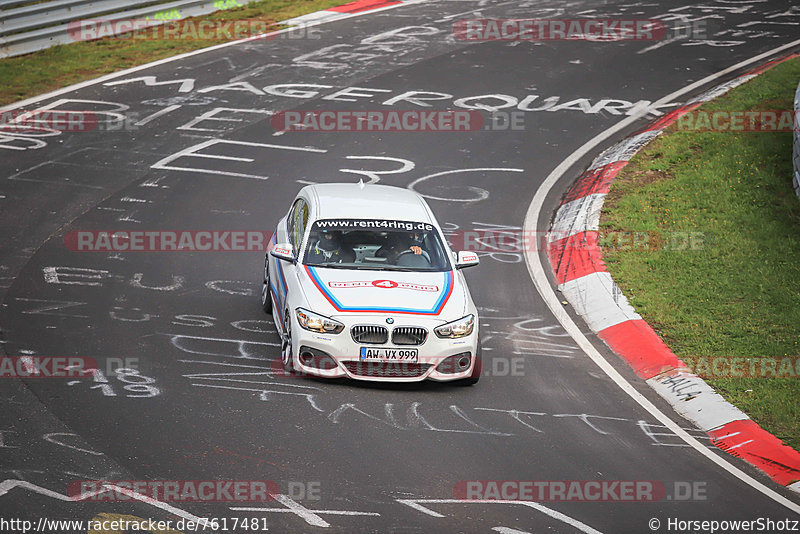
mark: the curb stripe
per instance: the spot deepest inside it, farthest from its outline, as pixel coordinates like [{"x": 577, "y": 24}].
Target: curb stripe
[
  {"x": 640, "y": 346},
  {"x": 595, "y": 181},
  {"x": 624, "y": 150},
  {"x": 600, "y": 302},
  {"x": 673, "y": 116},
  {"x": 359, "y": 6},
  {"x": 758, "y": 447},
  {"x": 694, "y": 399},
  {"x": 577, "y": 261},
  {"x": 576, "y": 256},
  {"x": 580, "y": 215}
]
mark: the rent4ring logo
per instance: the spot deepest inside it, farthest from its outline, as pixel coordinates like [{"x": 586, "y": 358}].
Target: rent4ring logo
[{"x": 384, "y": 284}]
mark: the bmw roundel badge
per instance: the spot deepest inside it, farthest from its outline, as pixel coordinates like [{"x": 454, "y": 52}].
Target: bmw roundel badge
[{"x": 389, "y": 320}]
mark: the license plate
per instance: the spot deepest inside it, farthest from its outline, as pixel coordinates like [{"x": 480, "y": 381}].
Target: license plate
[{"x": 373, "y": 354}]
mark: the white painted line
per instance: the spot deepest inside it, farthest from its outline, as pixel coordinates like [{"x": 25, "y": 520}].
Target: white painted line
[
  {"x": 415, "y": 503},
  {"x": 537, "y": 273},
  {"x": 51, "y": 437},
  {"x": 158, "y": 504},
  {"x": 157, "y": 114},
  {"x": 482, "y": 194},
  {"x": 795, "y": 486},
  {"x": 194, "y": 152},
  {"x": 226, "y": 364},
  {"x": 218, "y": 156},
  {"x": 10, "y": 484},
  {"x": 310, "y": 516}
]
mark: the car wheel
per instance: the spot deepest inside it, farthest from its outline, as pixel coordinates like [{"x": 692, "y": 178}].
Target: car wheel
[
  {"x": 266, "y": 296},
  {"x": 286, "y": 345},
  {"x": 477, "y": 369}
]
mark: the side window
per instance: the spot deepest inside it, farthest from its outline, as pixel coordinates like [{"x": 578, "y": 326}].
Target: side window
[
  {"x": 290, "y": 221},
  {"x": 299, "y": 221}
]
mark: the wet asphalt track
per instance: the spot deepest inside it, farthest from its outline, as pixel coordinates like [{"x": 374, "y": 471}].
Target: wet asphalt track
[{"x": 193, "y": 323}]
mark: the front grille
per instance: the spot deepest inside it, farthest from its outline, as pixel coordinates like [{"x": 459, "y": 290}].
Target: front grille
[
  {"x": 387, "y": 369},
  {"x": 409, "y": 335},
  {"x": 371, "y": 334}
]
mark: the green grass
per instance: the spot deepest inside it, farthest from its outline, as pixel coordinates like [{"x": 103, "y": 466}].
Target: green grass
[
  {"x": 738, "y": 293},
  {"x": 59, "y": 66}
]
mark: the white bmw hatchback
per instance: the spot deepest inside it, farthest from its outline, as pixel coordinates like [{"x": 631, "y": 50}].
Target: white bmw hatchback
[{"x": 361, "y": 283}]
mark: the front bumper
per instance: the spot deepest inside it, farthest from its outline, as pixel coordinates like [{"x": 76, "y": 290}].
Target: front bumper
[{"x": 337, "y": 356}]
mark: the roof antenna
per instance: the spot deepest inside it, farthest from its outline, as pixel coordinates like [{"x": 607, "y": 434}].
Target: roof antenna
[{"x": 360, "y": 183}]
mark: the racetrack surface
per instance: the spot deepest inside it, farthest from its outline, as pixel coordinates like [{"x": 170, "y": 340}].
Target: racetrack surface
[{"x": 214, "y": 408}]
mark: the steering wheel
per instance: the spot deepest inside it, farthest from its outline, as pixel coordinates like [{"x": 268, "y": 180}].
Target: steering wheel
[{"x": 409, "y": 251}]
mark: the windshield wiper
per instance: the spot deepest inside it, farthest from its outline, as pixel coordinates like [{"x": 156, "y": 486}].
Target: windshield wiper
[{"x": 330, "y": 265}]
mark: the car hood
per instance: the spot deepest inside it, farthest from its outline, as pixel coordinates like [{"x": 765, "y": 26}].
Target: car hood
[{"x": 438, "y": 295}]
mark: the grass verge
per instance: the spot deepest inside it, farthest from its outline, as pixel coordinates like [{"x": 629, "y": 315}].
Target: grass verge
[
  {"x": 736, "y": 294},
  {"x": 62, "y": 65}
]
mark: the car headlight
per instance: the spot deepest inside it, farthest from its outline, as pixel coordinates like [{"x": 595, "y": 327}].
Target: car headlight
[
  {"x": 460, "y": 328},
  {"x": 318, "y": 323}
]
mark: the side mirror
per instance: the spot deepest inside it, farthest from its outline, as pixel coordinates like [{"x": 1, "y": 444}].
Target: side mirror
[
  {"x": 283, "y": 251},
  {"x": 466, "y": 259}
]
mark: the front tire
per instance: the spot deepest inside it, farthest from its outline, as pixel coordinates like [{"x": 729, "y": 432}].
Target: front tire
[
  {"x": 286, "y": 345},
  {"x": 266, "y": 292}
]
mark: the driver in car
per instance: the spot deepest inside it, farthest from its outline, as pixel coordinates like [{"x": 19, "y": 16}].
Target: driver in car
[
  {"x": 398, "y": 243},
  {"x": 330, "y": 248}
]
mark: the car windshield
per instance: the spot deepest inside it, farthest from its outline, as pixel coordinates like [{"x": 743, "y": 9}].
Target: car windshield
[{"x": 375, "y": 245}]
